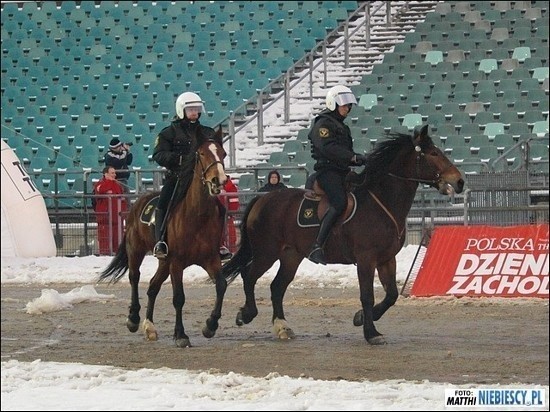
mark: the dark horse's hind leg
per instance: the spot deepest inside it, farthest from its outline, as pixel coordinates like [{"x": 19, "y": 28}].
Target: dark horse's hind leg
[
  {"x": 249, "y": 311},
  {"x": 154, "y": 288},
  {"x": 387, "y": 276},
  {"x": 211, "y": 326},
  {"x": 132, "y": 322},
  {"x": 285, "y": 275}
]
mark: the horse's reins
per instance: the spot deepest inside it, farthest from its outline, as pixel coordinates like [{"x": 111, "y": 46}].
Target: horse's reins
[
  {"x": 412, "y": 179},
  {"x": 385, "y": 209}
]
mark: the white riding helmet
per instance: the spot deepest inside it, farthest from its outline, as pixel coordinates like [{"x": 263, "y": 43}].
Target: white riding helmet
[
  {"x": 339, "y": 95},
  {"x": 188, "y": 99}
]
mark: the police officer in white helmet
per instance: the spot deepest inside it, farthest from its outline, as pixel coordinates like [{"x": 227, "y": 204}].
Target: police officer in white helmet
[
  {"x": 173, "y": 145},
  {"x": 332, "y": 148}
]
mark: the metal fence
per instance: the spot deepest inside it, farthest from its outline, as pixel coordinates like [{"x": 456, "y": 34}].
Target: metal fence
[{"x": 499, "y": 199}]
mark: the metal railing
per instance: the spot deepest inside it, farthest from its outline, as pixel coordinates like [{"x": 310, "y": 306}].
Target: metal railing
[{"x": 498, "y": 199}]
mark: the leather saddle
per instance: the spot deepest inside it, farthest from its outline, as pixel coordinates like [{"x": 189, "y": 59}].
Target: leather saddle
[{"x": 315, "y": 204}]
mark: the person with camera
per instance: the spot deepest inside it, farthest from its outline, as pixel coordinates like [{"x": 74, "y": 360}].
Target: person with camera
[
  {"x": 120, "y": 158},
  {"x": 332, "y": 149}
]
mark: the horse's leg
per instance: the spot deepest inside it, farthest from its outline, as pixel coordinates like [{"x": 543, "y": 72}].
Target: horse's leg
[
  {"x": 365, "y": 272},
  {"x": 250, "y": 275},
  {"x": 211, "y": 326},
  {"x": 155, "y": 284},
  {"x": 287, "y": 270},
  {"x": 386, "y": 274},
  {"x": 178, "y": 300},
  {"x": 132, "y": 322},
  {"x": 134, "y": 263}
]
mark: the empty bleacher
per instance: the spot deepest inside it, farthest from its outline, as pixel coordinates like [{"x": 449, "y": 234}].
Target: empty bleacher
[{"x": 95, "y": 66}]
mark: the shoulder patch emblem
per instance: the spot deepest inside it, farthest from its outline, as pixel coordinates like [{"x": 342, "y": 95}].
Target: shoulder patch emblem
[{"x": 323, "y": 132}]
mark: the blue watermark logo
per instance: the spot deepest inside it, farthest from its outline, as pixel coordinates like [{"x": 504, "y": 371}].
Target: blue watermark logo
[{"x": 484, "y": 398}]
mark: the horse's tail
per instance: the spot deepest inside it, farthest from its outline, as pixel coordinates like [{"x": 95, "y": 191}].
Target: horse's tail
[
  {"x": 243, "y": 257},
  {"x": 118, "y": 266}
]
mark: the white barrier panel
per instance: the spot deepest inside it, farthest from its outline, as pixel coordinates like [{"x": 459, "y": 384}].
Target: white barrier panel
[{"x": 26, "y": 229}]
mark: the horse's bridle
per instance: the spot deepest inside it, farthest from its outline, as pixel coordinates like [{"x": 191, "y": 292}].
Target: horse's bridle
[
  {"x": 419, "y": 155},
  {"x": 205, "y": 170}
]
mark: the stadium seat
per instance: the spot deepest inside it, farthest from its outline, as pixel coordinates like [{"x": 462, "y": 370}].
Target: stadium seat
[
  {"x": 493, "y": 128},
  {"x": 540, "y": 128},
  {"x": 368, "y": 100},
  {"x": 412, "y": 120},
  {"x": 248, "y": 181},
  {"x": 521, "y": 53},
  {"x": 540, "y": 73}
]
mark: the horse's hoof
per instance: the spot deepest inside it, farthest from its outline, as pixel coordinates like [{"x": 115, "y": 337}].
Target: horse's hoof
[
  {"x": 282, "y": 330},
  {"x": 183, "y": 343},
  {"x": 239, "y": 320},
  {"x": 286, "y": 334},
  {"x": 150, "y": 331},
  {"x": 207, "y": 333},
  {"x": 377, "y": 340},
  {"x": 358, "y": 318},
  {"x": 132, "y": 327}
]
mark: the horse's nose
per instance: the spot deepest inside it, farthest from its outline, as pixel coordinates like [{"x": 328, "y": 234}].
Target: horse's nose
[
  {"x": 460, "y": 186},
  {"x": 219, "y": 182}
]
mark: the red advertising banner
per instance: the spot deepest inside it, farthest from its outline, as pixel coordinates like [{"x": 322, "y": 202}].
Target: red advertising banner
[{"x": 485, "y": 261}]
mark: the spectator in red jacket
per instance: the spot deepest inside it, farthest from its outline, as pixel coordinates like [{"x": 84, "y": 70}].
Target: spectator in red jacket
[
  {"x": 109, "y": 211},
  {"x": 231, "y": 203}
]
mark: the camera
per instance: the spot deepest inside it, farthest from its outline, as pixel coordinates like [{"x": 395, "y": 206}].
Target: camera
[{"x": 128, "y": 143}]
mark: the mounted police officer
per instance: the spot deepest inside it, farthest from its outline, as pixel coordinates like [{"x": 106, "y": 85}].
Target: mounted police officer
[
  {"x": 332, "y": 148},
  {"x": 173, "y": 145}
]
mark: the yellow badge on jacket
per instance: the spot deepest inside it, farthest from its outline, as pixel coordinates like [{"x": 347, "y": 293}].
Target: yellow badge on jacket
[{"x": 323, "y": 132}]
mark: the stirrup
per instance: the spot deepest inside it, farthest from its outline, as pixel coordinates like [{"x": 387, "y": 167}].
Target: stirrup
[
  {"x": 317, "y": 256},
  {"x": 225, "y": 254},
  {"x": 160, "y": 251}
]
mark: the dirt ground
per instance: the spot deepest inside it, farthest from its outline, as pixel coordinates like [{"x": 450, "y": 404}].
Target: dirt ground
[{"x": 478, "y": 341}]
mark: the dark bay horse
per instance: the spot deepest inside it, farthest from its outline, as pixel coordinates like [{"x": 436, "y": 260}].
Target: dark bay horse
[
  {"x": 193, "y": 235},
  {"x": 370, "y": 239}
]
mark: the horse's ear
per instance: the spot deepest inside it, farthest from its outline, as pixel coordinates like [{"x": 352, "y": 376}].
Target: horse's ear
[
  {"x": 219, "y": 134},
  {"x": 420, "y": 135}
]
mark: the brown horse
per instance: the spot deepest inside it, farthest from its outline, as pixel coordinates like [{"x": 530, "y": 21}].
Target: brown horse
[
  {"x": 193, "y": 235},
  {"x": 370, "y": 239}
]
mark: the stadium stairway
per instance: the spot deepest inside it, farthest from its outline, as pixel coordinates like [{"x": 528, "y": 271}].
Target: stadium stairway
[{"x": 362, "y": 58}]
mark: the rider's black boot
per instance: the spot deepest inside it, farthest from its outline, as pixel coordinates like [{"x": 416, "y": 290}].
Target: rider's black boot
[
  {"x": 160, "y": 251},
  {"x": 317, "y": 255}
]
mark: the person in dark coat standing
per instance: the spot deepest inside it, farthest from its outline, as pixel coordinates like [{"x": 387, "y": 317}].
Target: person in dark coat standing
[
  {"x": 273, "y": 182},
  {"x": 332, "y": 148},
  {"x": 120, "y": 158},
  {"x": 173, "y": 145}
]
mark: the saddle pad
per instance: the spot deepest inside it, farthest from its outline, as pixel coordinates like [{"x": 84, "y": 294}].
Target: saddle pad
[
  {"x": 308, "y": 215},
  {"x": 147, "y": 215},
  {"x": 307, "y": 212}
]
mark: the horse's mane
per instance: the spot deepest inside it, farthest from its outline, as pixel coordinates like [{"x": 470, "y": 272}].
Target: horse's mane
[{"x": 380, "y": 158}]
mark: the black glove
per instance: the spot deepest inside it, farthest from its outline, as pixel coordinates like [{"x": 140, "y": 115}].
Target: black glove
[{"x": 360, "y": 160}]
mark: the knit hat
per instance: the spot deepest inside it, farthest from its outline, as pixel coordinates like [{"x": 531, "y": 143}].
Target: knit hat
[{"x": 114, "y": 143}]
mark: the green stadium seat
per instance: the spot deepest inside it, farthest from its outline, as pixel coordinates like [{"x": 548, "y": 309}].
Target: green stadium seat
[
  {"x": 488, "y": 65},
  {"x": 491, "y": 129},
  {"x": 412, "y": 120},
  {"x": 433, "y": 57},
  {"x": 521, "y": 53},
  {"x": 540, "y": 73},
  {"x": 368, "y": 100},
  {"x": 247, "y": 182},
  {"x": 540, "y": 128}
]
